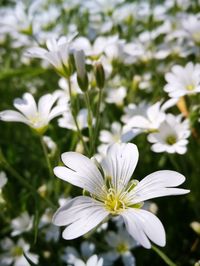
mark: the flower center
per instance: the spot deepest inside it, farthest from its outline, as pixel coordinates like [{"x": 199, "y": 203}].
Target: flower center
[
  {"x": 190, "y": 87},
  {"x": 171, "y": 139},
  {"x": 113, "y": 202},
  {"x": 17, "y": 251},
  {"x": 122, "y": 248},
  {"x": 35, "y": 120}
]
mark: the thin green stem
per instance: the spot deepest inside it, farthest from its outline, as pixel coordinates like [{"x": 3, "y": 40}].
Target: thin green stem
[
  {"x": 98, "y": 116},
  {"x": 90, "y": 127},
  {"x": 74, "y": 117},
  {"x": 44, "y": 148},
  {"x": 163, "y": 256}
]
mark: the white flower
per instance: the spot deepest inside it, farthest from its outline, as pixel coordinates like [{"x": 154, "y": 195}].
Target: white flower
[
  {"x": 117, "y": 133},
  {"x": 171, "y": 136},
  {"x": 21, "y": 224},
  {"x": 37, "y": 117},
  {"x": 57, "y": 53},
  {"x": 116, "y": 95},
  {"x": 72, "y": 256},
  {"x": 92, "y": 261},
  {"x": 67, "y": 121},
  {"x": 63, "y": 94},
  {"x": 13, "y": 253},
  {"x": 183, "y": 80},
  {"x": 121, "y": 244},
  {"x": 112, "y": 193},
  {"x": 51, "y": 232},
  {"x": 191, "y": 25},
  {"x": 144, "y": 117}
]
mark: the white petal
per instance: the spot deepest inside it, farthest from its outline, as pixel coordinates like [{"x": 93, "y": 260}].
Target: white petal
[
  {"x": 142, "y": 224},
  {"x": 139, "y": 121},
  {"x": 158, "y": 184},
  {"x": 52, "y": 44},
  {"x": 81, "y": 180},
  {"x": 57, "y": 110},
  {"x": 13, "y": 116},
  {"x": 83, "y": 167},
  {"x": 72, "y": 207},
  {"x": 54, "y": 59},
  {"x": 36, "y": 52},
  {"x": 120, "y": 163},
  {"x": 92, "y": 261},
  {"x": 81, "y": 214},
  {"x": 26, "y": 105},
  {"x": 45, "y": 104}
]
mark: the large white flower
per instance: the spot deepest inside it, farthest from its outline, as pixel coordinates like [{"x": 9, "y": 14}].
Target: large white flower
[
  {"x": 37, "y": 117},
  {"x": 112, "y": 193},
  {"x": 183, "y": 80},
  {"x": 171, "y": 136}
]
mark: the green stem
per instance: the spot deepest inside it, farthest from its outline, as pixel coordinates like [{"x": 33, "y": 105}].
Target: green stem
[
  {"x": 74, "y": 117},
  {"x": 90, "y": 127},
  {"x": 163, "y": 256},
  {"x": 44, "y": 148},
  {"x": 98, "y": 115}
]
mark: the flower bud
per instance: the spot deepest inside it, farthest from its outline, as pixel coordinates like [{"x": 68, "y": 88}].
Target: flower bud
[
  {"x": 100, "y": 75},
  {"x": 82, "y": 78}
]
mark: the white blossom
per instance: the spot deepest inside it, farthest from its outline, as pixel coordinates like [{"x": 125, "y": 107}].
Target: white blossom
[
  {"x": 183, "y": 80},
  {"x": 112, "y": 193},
  {"x": 171, "y": 136},
  {"x": 37, "y": 117}
]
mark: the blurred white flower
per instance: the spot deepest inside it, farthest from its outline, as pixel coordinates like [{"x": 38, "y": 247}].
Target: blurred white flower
[
  {"x": 144, "y": 117},
  {"x": 172, "y": 135},
  {"x": 117, "y": 133},
  {"x": 57, "y": 54},
  {"x": 121, "y": 244},
  {"x": 13, "y": 253},
  {"x": 183, "y": 80},
  {"x": 116, "y": 95},
  {"x": 51, "y": 231},
  {"x": 72, "y": 256},
  {"x": 191, "y": 26},
  {"x": 21, "y": 224},
  {"x": 67, "y": 121},
  {"x": 112, "y": 193},
  {"x": 92, "y": 261},
  {"x": 37, "y": 117}
]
